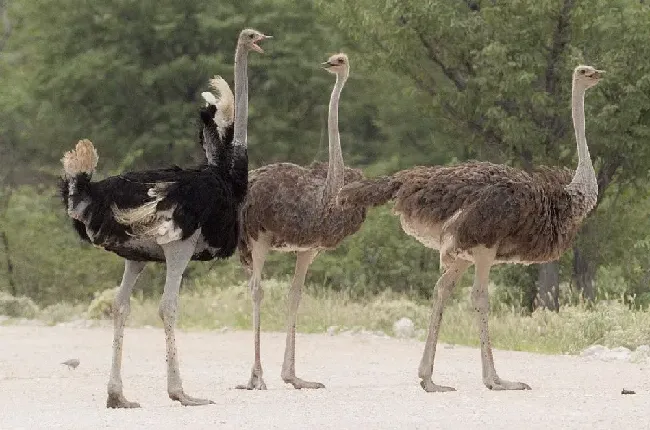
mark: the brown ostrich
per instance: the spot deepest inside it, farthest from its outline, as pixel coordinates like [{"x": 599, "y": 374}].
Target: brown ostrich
[
  {"x": 290, "y": 208},
  {"x": 486, "y": 214}
]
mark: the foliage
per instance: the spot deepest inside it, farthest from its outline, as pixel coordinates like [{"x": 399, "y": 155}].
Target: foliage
[
  {"x": 497, "y": 79},
  {"x": 51, "y": 263},
  {"x": 379, "y": 257},
  {"x": 17, "y": 306},
  {"x": 128, "y": 75},
  {"x": 102, "y": 305},
  {"x": 47, "y": 261},
  {"x": 497, "y": 73},
  {"x": 431, "y": 83},
  {"x": 576, "y": 327}
]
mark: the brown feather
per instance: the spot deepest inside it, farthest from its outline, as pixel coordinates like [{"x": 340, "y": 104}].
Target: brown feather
[
  {"x": 529, "y": 216},
  {"x": 369, "y": 193},
  {"x": 285, "y": 204}
]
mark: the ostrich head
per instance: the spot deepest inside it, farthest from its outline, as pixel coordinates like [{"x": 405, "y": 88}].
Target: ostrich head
[
  {"x": 587, "y": 76},
  {"x": 248, "y": 38},
  {"x": 338, "y": 64}
]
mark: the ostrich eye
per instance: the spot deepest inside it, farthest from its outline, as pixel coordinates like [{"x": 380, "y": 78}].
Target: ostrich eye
[
  {"x": 341, "y": 61},
  {"x": 582, "y": 72},
  {"x": 250, "y": 36}
]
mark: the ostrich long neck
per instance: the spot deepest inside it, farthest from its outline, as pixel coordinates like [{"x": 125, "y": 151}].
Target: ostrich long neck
[
  {"x": 240, "y": 138},
  {"x": 335, "y": 171},
  {"x": 584, "y": 180}
]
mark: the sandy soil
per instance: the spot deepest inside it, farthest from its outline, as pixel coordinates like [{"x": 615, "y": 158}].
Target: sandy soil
[{"x": 371, "y": 383}]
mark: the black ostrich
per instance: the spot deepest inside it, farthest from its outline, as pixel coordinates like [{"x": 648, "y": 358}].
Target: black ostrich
[{"x": 169, "y": 215}]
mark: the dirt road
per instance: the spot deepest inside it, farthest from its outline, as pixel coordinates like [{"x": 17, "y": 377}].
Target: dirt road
[{"x": 371, "y": 384}]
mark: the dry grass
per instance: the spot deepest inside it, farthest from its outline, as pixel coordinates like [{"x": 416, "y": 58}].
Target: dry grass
[
  {"x": 573, "y": 329},
  {"x": 569, "y": 331},
  {"x": 206, "y": 307}
]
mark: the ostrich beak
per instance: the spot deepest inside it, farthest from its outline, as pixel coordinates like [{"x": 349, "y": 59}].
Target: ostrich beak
[
  {"x": 598, "y": 74},
  {"x": 260, "y": 38}
]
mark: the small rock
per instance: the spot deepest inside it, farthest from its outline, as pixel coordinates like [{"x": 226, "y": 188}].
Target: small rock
[
  {"x": 404, "y": 328},
  {"x": 641, "y": 354},
  {"x": 29, "y": 322},
  {"x": 643, "y": 349},
  {"x": 594, "y": 351},
  {"x": 78, "y": 323},
  {"x": 624, "y": 391},
  {"x": 331, "y": 330},
  {"x": 620, "y": 353},
  {"x": 224, "y": 329}
]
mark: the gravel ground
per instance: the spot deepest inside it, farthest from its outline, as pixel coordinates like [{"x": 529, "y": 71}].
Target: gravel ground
[{"x": 371, "y": 383}]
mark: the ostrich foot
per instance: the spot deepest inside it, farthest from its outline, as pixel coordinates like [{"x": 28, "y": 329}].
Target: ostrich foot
[
  {"x": 255, "y": 383},
  {"x": 188, "y": 400},
  {"x": 498, "y": 384},
  {"x": 117, "y": 400},
  {"x": 430, "y": 387},
  {"x": 300, "y": 383}
]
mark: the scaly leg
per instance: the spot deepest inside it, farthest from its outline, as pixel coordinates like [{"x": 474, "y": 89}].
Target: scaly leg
[
  {"x": 444, "y": 287},
  {"x": 483, "y": 259},
  {"x": 177, "y": 256},
  {"x": 121, "y": 309},
  {"x": 303, "y": 261},
  {"x": 258, "y": 251}
]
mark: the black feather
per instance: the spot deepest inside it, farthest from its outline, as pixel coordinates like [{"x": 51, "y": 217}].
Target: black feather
[{"x": 208, "y": 197}]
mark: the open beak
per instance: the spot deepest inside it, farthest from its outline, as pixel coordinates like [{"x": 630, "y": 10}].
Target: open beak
[
  {"x": 326, "y": 65},
  {"x": 596, "y": 74},
  {"x": 256, "y": 47}
]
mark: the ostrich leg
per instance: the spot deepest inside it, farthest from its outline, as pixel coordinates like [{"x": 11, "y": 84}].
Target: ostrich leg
[
  {"x": 482, "y": 262},
  {"x": 444, "y": 287},
  {"x": 177, "y": 256},
  {"x": 121, "y": 309},
  {"x": 259, "y": 250},
  {"x": 303, "y": 261}
]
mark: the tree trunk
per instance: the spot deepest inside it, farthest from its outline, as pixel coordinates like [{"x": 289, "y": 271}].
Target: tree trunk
[
  {"x": 10, "y": 265},
  {"x": 548, "y": 286},
  {"x": 5, "y": 240},
  {"x": 584, "y": 272}
]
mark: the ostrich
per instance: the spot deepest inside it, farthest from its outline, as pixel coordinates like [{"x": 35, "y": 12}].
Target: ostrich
[
  {"x": 169, "y": 215},
  {"x": 290, "y": 208},
  {"x": 485, "y": 214}
]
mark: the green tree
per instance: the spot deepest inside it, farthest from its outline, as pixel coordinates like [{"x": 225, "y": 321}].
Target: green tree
[
  {"x": 432, "y": 82},
  {"x": 127, "y": 74},
  {"x": 497, "y": 77}
]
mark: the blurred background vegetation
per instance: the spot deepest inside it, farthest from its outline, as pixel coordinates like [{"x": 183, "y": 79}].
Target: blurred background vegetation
[{"x": 432, "y": 82}]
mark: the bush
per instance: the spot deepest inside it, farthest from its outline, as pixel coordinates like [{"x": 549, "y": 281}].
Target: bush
[
  {"x": 101, "y": 306},
  {"x": 379, "y": 257},
  {"x": 17, "y": 307},
  {"x": 61, "y": 312}
]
